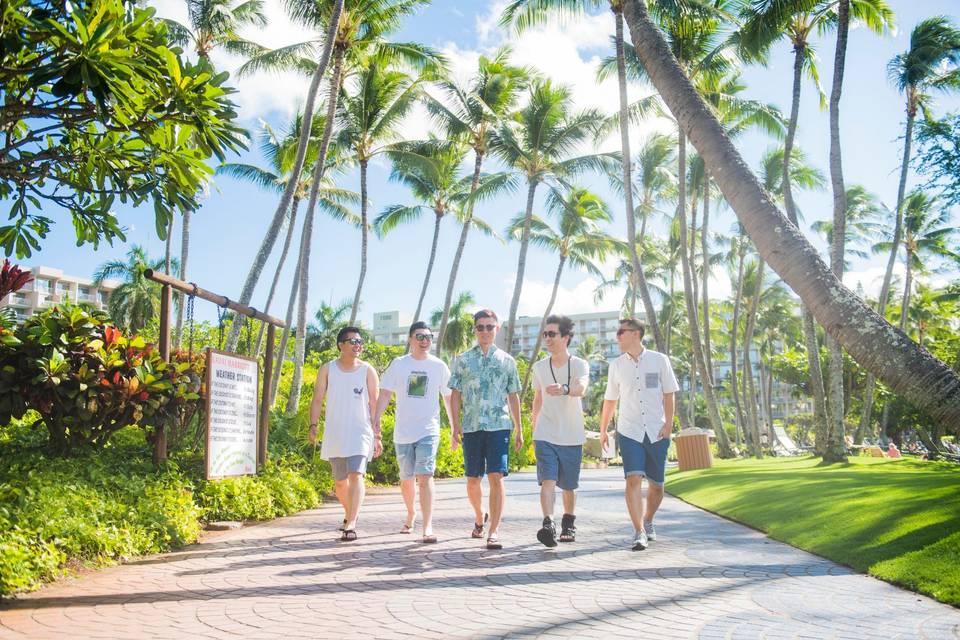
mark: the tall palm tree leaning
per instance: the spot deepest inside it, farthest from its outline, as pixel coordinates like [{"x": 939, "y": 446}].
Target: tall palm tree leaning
[
  {"x": 537, "y": 143},
  {"x": 136, "y": 300},
  {"x": 879, "y": 347},
  {"x": 431, "y": 169},
  {"x": 460, "y": 326},
  {"x": 932, "y": 63},
  {"x": 578, "y": 241},
  {"x": 763, "y": 25},
  {"x": 525, "y": 13},
  {"x": 213, "y": 23},
  {"x": 471, "y": 113},
  {"x": 370, "y": 114}
]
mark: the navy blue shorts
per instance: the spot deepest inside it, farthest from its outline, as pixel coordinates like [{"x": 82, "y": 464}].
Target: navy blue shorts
[
  {"x": 558, "y": 462},
  {"x": 644, "y": 458},
  {"x": 486, "y": 452}
]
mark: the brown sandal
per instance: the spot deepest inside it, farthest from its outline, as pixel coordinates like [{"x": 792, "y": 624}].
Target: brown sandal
[
  {"x": 430, "y": 539},
  {"x": 478, "y": 528},
  {"x": 349, "y": 535}
]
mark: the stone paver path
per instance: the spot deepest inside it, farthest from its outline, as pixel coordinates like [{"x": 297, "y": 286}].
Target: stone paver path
[{"x": 705, "y": 578}]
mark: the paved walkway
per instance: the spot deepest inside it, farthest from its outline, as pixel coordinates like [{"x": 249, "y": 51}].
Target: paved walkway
[{"x": 291, "y": 578}]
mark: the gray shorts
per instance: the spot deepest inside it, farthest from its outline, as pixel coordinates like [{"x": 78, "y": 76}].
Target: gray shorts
[{"x": 342, "y": 467}]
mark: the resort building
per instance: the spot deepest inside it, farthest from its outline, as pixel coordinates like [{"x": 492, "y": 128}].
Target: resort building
[{"x": 50, "y": 286}]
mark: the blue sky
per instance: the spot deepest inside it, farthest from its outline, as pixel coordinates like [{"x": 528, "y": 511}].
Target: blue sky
[{"x": 226, "y": 232}]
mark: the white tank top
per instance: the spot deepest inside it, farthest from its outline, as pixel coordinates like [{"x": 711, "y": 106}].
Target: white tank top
[{"x": 347, "y": 427}]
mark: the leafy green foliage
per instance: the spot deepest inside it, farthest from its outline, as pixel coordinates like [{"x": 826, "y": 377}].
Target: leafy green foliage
[{"x": 99, "y": 111}]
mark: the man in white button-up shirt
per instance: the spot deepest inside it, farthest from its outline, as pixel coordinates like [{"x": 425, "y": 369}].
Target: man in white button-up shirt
[{"x": 643, "y": 382}]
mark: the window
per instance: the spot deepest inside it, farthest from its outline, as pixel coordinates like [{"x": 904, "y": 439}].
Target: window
[{"x": 43, "y": 286}]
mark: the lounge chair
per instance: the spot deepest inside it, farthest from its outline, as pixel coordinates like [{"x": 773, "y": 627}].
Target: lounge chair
[{"x": 783, "y": 443}]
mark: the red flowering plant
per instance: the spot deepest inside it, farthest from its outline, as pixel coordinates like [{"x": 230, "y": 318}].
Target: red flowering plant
[
  {"x": 12, "y": 279},
  {"x": 87, "y": 379}
]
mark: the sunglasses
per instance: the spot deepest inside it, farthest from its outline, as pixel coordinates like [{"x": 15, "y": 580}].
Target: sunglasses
[
  {"x": 423, "y": 337},
  {"x": 354, "y": 341},
  {"x": 485, "y": 327},
  {"x": 620, "y": 332},
  {"x": 551, "y": 334}
]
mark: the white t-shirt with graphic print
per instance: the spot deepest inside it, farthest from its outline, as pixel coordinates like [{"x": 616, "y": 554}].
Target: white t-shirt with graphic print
[{"x": 418, "y": 385}]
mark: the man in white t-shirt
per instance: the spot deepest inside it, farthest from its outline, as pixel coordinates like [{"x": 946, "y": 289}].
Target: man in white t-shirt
[
  {"x": 417, "y": 379},
  {"x": 560, "y": 382},
  {"x": 644, "y": 384}
]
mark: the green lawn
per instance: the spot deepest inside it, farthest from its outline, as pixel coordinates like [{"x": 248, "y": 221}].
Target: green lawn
[{"x": 898, "y": 520}]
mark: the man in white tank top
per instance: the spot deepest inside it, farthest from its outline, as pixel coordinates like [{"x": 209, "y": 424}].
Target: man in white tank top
[{"x": 350, "y": 387}]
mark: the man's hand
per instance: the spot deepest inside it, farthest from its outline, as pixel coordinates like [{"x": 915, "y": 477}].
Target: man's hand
[
  {"x": 456, "y": 438},
  {"x": 665, "y": 431},
  {"x": 377, "y": 446},
  {"x": 604, "y": 440},
  {"x": 518, "y": 439},
  {"x": 555, "y": 389},
  {"x": 312, "y": 436}
]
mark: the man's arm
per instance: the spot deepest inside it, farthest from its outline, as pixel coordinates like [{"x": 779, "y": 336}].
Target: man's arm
[
  {"x": 373, "y": 392},
  {"x": 537, "y": 405},
  {"x": 454, "y": 413},
  {"x": 316, "y": 405},
  {"x": 578, "y": 386},
  {"x": 668, "y": 408},
  {"x": 513, "y": 399},
  {"x": 383, "y": 401}
]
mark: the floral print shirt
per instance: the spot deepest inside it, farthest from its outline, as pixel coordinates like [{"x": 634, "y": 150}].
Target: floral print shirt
[{"x": 484, "y": 382}]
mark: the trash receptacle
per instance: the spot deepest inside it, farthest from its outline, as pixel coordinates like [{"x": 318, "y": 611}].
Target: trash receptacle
[{"x": 693, "y": 449}]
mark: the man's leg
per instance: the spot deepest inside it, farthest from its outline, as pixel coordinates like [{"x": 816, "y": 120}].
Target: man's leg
[
  {"x": 634, "y": 497},
  {"x": 473, "y": 464},
  {"x": 548, "y": 493},
  {"x": 355, "y": 491},
  {"x": 409, "y": 489},
  {"x": 654, "y": 498},
  {"x": 496, "y": 501},
  {"x": 340, "y": 488},
  {"x": 569, "y": 501},
  {"x": 426, "y": 502}
]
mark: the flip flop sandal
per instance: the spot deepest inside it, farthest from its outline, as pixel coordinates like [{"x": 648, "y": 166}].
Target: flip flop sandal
[
  {"x": 349, "y": 535},
  {"x": 407, "y": 528},
  {"x": 568, "y": 531},
  {"x": 342, "y": 526},
  {"x": 431, "y": 539},
  {"x": 494, "y": 544},
  {"x": 478, "y": 528}
]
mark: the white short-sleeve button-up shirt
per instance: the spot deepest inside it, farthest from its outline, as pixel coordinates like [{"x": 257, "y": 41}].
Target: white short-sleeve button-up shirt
[{"x": 640, "y": 385}]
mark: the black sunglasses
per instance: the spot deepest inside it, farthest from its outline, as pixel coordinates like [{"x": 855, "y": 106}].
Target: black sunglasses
[
  {"x": 423, "y": 337},
  {"x": 485, "y": 327},
  {"x": 354, "y": 341},
  {"x": 551, "y": 334}
]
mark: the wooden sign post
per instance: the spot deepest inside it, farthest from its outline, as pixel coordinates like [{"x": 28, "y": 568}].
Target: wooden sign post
[{"x": 263, "y": 419}]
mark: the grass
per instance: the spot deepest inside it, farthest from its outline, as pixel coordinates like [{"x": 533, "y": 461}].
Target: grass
[{"x": 898, "y": 520}]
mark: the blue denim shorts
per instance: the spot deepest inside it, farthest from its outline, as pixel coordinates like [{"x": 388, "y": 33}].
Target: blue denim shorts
[
  {"x": 644, "y": 458},
  {"x": 342, "y": 467},
  {"x": 486, "y": 452},
  {"x": 560, "y": 463},
  {"x": 417, "y": 458}
]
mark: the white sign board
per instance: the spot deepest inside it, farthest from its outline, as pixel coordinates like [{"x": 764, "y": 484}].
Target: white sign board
[{"x": 232, "y": 383}]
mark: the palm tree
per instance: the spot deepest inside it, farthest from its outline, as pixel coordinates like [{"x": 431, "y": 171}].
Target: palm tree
[
  {"x": 537, "y": 143},
  {"x": 906, "y": 368},
  {"x": 472, "y": 112},
  {"x": 137, "y": 300},
  {"x": 459, "y": 326},
  {"x": 370, "y": 114},
  {"x": 353, "y": 29},
  {"x": 930, "y": 64},
  {"x": 329, "y": 318},
  {"x": 578, "y": 241},
  {"x": 431, "y": 169}
]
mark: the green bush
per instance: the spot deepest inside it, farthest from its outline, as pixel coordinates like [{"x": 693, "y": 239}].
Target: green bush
[{"x": 26, "y": 561}]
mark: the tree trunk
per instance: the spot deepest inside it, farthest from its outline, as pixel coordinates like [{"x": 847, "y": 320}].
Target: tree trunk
[
  {"x": 168, "y": 248},
  {"x": 836, "y": 445},
  {"x": 276, "y": 275},
  {"x": 877, "y": 346},
  {"x": 288, "y": 320},
  {"x": 750, "y": 392},
  {"x": 521, "y": 264},
  {"x": 433, "y": 255},
  {"x": 626, "y": 162},
  {"x": 363, "y": 242},
  {"x": 705, "y": 277},
  {"x": 266, "y": 247},
  {"x": 723, "y": 443},
  {"x": 464, "y": 231},
  {"x": 543, "y": 323},
  {"x": 184, "y": 255},
  {"x": 907, "y": 286},
  {"x": 734, "y": 328}
]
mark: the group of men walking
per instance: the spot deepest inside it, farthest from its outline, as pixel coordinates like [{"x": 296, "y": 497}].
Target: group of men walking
[{"x": 482, "y": 399}]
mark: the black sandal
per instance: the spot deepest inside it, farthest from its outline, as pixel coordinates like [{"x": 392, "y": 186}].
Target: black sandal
[
  {"x": 568, "y": 532},
  {"x": 478, "y": 528},
  {"x": 547, "y": 535},
  {"x": 349, "y": 535}
]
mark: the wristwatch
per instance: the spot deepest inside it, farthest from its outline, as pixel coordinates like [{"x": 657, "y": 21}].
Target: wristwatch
[{"x": 566, "y": 389}]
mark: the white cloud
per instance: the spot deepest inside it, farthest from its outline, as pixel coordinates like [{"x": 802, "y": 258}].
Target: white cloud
[{"x": 579, "y": 299}]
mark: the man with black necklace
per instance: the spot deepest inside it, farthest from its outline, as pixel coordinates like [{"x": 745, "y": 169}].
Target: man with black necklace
[{"x": 560, "y": 382}]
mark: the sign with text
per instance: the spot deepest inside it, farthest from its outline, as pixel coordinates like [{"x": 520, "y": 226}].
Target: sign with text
[{"x": 231, "y": 414}]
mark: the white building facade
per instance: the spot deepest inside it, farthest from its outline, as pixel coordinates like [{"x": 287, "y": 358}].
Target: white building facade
[{"x": 51, "y": 286}]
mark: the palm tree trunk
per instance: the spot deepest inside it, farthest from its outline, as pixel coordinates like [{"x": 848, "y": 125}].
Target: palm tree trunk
[
  {"x": 543, "y": 323},
  {"x": 184, "y": 255},
  {"x": 750, "y": 391},
  {"x": 734, "y": 328},
  {"x": 464, "y": 231},
  {"x": 521, "y": 264},
  {"x": 626, "y": 161},
  {"x": 276, "y": 275},
  {"x": 266, "y": 246},
  {"x": 363, "y": 242},
  {"x": 836, "y": 445},
  {"x": 433, "y": 255},
  {"x": 907, "y": 286},
  {"x": 877, "y": 346},
  {"x": 168, "y": 248},
  {"x": 288, "y": 319},
  {"x": 705, "y": 293},
  {"x": 723, "y": 443}
]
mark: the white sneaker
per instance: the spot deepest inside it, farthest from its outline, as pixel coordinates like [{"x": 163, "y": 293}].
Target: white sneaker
[
  {"x": 651, "y": 531},
  {"x": 640, "y": 541}
]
